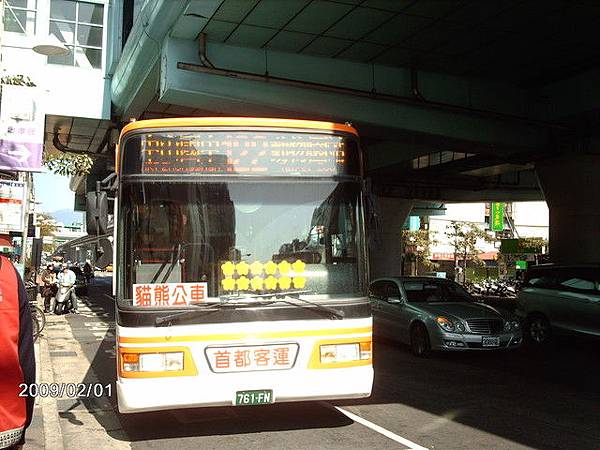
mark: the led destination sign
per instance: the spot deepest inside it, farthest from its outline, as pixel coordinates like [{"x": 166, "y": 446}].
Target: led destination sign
[{"x": 248, "y": 153}]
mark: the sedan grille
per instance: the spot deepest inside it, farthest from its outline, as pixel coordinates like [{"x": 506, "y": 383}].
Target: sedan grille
[{"x": 485, "y": 326}]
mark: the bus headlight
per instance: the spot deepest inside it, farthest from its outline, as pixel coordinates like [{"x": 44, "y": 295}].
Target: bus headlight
[{"x": 153, "y": 362}]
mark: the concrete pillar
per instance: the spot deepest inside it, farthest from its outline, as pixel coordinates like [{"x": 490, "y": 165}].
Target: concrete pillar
[
  {"x": 385, "y": 235},
  {"x": 571, "y": 187}
]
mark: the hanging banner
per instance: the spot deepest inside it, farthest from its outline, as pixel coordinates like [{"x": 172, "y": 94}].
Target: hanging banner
[
  {"x": 21, "y": 129},
  {"x": 497, "y": 217},
  {"x": 12, "y": 206}
]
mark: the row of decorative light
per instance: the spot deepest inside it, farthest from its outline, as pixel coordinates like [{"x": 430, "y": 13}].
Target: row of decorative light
[{"x": 289, "y": 275}]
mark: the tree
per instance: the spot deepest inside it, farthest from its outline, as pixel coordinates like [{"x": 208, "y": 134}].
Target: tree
[
  {"x": 464, "y": 237},
  {"x": 419, "y": 243},
  {"x": 48, "y": 228},
  {"x": 17, "y": 80},
  {"x": 68, "y": 164}
]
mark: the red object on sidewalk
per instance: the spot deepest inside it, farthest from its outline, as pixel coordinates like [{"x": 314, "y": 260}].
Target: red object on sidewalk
[{"x": 13, "y": 408}]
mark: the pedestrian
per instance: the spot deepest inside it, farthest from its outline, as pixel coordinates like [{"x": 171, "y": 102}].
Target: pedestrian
[
  {"x": 17, "y": 359},
  {"x": 88, "y": 270},
  {"x": 48, "y": 286}
]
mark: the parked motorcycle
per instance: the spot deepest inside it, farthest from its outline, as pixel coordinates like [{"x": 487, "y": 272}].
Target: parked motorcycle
[
  {"x": 496, "y": 288},
  {"x": 63, "y": 302}
]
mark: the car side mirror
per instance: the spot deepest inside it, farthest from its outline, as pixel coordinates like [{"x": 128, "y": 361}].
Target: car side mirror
[{"x": 394, "y": 300}]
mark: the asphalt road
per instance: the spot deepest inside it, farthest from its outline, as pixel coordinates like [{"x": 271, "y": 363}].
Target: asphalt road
[{"x": 524, "y": 399}]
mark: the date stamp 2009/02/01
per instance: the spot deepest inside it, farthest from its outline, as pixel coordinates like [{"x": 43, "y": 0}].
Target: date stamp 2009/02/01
[{"x": 69, "y": 390}]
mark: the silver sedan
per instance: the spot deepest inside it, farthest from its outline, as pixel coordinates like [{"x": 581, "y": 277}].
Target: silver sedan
[{"x": 438, "y": 314}]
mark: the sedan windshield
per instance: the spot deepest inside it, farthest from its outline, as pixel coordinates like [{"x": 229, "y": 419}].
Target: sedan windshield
[
  {"x": 426, "y": 291},
  {"x": 244, "y": 238}
]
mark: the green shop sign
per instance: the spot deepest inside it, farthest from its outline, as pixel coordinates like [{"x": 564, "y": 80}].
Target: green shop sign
[
  {"x": 497, "y": 216},
  {"x": 519, "y": 246},
  {"x": 522, "y": 265}
]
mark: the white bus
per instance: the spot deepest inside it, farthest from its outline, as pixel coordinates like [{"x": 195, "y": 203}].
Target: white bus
[{"x": 240, "y": 264}]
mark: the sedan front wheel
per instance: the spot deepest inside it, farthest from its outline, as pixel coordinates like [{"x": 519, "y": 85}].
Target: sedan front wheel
[
  {"x": 419, "y": 340},
  {"x": 539, "y": 330}
]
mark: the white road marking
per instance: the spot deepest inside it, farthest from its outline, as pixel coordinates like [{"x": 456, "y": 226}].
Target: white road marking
[
  {"x": 101, "y": 336},
  {"x": 380, "y": 430}
]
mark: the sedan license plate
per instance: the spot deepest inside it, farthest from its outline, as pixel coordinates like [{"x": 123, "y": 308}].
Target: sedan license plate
[
  {"x": 490, "y": 341},
  {"x": 251, "y": 398}
]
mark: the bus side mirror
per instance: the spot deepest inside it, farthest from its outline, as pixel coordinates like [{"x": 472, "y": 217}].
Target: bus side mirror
[{"x": 96, "y": 212}]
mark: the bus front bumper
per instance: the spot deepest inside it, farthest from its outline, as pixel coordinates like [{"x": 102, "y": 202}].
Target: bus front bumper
[{"x": 155, "y": 394}]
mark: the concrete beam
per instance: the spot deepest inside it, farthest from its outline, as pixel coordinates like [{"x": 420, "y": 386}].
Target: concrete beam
[
  {"x": 567, "y": 98},
  {"x": 231, "y": 95},
  {"x": 521, "y": 186},
  {"x": 142, "y": 49},
  {"x": 571, "y": 188},
  {"x": 385, "y": 235}
]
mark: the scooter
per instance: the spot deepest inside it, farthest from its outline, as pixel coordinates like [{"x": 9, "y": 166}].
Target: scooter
[{"x": 61, "y": 304}]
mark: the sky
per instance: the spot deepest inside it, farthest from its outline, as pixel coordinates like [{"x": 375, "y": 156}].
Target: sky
[{"x": 53, "y": 192}]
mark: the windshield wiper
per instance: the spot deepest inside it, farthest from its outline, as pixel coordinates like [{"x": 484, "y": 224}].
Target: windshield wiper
[
  {"x": 332, "y": 313},
  {"x": 226, "y": 302},
  {"x": 167, "y": 320}
]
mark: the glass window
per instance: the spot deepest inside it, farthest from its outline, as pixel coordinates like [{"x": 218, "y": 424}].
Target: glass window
[
  {"x": 423, "y": 291},
  {"x": 580, "y": 279},
  {"x": 91, "y": 13},
  {"x": 392, "y": 290},
  {"x": 578, "y": 283},
  {"x": 198, "y": 231},
  {"x": 433, "y": 291},
  {"x": 19, "y": 16},
  {"x": 542, "y": 277},
  {"x": 65, "y": 32},
  {"x": 89, "y": 36},
  {"x": 378, "y": 289},
  {"x": 86, "y": 56},
  {"x": 456, "y": 293},
  {"x": 63, "y": 10},
  {"x": 79, "y": 26}
]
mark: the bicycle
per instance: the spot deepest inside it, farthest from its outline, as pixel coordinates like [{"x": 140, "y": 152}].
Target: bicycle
[{"x": 38, "y": 316}]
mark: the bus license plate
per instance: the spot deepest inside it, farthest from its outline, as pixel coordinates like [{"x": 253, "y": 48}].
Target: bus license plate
[
  {"x": 251, "y": 398},
  {"x": 490, "y": 341}
]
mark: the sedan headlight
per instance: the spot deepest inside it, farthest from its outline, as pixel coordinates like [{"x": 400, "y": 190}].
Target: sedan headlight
[
  {"x": 445, "y": 323},
  {"x": 511, "y": 325}
]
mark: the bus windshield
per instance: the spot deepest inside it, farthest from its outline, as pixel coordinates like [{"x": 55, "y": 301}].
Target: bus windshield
[{"x": 244, "y": 237}]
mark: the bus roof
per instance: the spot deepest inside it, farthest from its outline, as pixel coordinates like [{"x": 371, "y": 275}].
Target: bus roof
[{"x": 237, "y": 122}]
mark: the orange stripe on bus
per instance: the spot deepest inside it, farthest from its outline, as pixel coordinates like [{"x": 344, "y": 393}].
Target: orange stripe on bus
[
  {"x": 242, "y": 336},
  {"x": 236, "y": 122}
]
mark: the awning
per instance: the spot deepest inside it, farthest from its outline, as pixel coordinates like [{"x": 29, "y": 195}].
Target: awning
[
  {"x": 488, "y": 256},
  {"x": 78, "y": 134}
]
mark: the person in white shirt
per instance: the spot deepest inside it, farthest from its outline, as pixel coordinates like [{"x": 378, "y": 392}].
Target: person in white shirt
[{"x": 67, "y": 278}]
